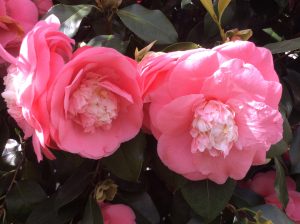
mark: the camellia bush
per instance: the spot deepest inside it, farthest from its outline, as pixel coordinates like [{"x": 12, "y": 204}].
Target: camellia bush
[{"x": 151, "y": 111}]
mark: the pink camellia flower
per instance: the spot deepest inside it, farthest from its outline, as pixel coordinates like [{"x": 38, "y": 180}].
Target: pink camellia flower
[
  {"x": 94, "y": 103},
  {"x": 117, "y": 213},
  {"x": 43, "y": 53},
  {"x": 263, "y": 184},
  {"x": 17, "y": 17},
  {"x": 43, "y": 6},
  {"x": 212, "y": 110}
]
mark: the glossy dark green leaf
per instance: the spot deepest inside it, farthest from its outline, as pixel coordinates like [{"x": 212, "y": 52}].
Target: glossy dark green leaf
[
  {"x": 295, "y": 152},
  {"x": 5, "y": 180},
  {"x": 243, "y": 197},
  {"x": 143, "y": 206},
  {"x": 92, "y": 213},
  {"x": 172, "y": 180},
  {"x": 207, "y": 198},
  {"x": 181, "y": 46},
  {"x": 293, "y": 82},
  {"x": 4, "y": 133},
  {"x": 23, "y": 197},
  {"x": 273, "y": 213},
  {"x": 70, "y": 16},
  {"x": 282, "y": 4},
  {"x": 74, "y": 186},
  {"x": 112, "y": 41},
  {"x": 184, "y": 3},
  {"x": 194, "y": 221},
  {"x": 287, "y": 130},
  {"x": 277, "y": 149},
  {"x": 126, "y": 163},
  {"x": 45, "y": 213},
  {"x": 149, "y": 25},
  {"x": 286, "y": 101},
  {"x": 180, "y": 211},
  {"x": 11, "y": 156},
  {"x": 280, "y": 183},
  {"x": 284, "y": 46}
]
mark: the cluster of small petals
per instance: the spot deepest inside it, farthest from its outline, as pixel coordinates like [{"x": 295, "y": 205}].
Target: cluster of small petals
[
  {"x": 92, "y": 106},
  {"x": 12, "y": 82},
  {"x": 213, "y": 129}
]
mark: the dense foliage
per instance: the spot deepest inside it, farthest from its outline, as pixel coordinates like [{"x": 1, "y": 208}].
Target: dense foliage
[{"x": 67, "y": 189}]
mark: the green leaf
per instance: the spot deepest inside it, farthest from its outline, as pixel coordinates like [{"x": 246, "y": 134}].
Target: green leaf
[
  {"x": 92, "y": 213},
  {"x": 292, "y": 80},
  {"x": 181, "y": 46},
  {"x": 295, "y": 152},
  {"x": 208, "y": 5},
  {"x": 287, "y": 130},
  {"x": 4, "y": 133},
  {"x": 273, "y": 213},
  {"x": 149, "y": 25},
  {"x": 172, "y": 180},
  {"x": 45, "y": 213},
  {"x": 284, "y": 46},
  {"x": 272, "y": 34},
  {"x": 180, "y": 211},
  {"x": 185, "y": 3},
  {"x": 70, "y": 16},
  {"x": 74, "y": 186},
  {"x": 207, "y": 198},
  {"x": 111, "y": 41},
  {"x": 194, "y": 221},
  {"x": 277, "y": 149},
  {"x": 222, "y": 5},
  {"x": 22, "y": 198},
  {"x": 280, "y": 183},
  {"x": 282, "y": 4},
  {"x": 143, "y": 206},
  {"x": 286, "y": 101},
  {"x": 243, "y": 197},
  {"x": 126, "y": 163},
  {"x": 11, "y": 156},
  {"x": 5, "y": 180}
]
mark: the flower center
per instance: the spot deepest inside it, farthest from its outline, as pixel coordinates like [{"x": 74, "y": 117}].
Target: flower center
[
  {"x": 213, "y": 128},
  {"x": 93, "y": 106}
]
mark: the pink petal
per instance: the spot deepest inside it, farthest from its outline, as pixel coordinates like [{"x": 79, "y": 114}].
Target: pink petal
[
  {"x": 218, "y": 169},
  {"x": 175, "y": 153},
  {"x": 23, "y": 11},
  {"x": 259, "y": 57}
]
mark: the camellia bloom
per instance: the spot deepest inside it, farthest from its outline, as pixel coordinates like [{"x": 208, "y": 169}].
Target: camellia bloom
[
  {"x": 117, "y": 213},
  {"x": 95, "y": 103},
  {"x": 43, "y": 6},
  {"x": 212, "y": 110},
  {"x": 43, "y": 53},
  {"x": 263, "y": 184},
  {"x": 17, "y": 17}
]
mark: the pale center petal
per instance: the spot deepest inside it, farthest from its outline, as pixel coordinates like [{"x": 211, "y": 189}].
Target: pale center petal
[
  {"x": 213, "y": 128},
  {"x": 93, "y": 106}
]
